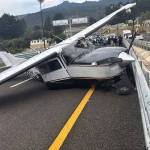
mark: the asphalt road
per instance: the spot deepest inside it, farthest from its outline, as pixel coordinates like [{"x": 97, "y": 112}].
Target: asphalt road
[{"x": 31, "y": 116}]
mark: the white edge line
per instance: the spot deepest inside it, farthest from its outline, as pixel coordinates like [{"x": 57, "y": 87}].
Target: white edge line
[{"x": 21, "y": 83}]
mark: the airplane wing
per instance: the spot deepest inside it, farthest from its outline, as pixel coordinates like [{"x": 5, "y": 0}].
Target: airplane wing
[{"x": 34, "y": 61}]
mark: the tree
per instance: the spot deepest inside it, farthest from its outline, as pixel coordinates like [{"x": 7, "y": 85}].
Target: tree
[
  {"x": 48, "y": 24},
  {"x": 142, "y": 6},
  {"x": 36, "y": 28},
  {"x": 121, "y": 17},
  {"x": 11, "y": 27}
]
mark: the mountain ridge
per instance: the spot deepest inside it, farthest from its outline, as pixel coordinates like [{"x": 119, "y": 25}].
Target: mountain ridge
[{"x": 95, "y": 9}]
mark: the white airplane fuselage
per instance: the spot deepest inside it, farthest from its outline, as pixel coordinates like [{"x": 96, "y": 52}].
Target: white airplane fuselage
[
  {"x": 57, "y": 68},
  {"x": 83, "y": 72}
]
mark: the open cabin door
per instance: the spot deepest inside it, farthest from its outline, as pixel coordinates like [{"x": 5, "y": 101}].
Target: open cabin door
[{"x": 53, "y": 70}]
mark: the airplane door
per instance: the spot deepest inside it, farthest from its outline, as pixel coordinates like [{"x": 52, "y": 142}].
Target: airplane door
[{"x": 53, "y": 70}]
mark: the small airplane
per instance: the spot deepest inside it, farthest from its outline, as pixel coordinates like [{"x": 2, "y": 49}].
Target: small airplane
[{"x": 67, "y": 60}]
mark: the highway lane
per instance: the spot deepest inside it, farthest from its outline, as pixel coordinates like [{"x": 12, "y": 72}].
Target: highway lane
[
  {"x": 31, "y": 116},
  {"x": 109, "y": 122}
]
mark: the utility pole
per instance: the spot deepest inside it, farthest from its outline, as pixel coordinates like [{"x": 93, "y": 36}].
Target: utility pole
[
  {"x": 42, "y": 20},
  {"x": 70, "y": 27}
]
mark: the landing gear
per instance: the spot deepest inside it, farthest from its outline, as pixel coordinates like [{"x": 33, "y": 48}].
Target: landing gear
[
  {"x": 130, "y": 74},
  {"x": 120, "y": 85},
  {"x": 126, "y": 84}
]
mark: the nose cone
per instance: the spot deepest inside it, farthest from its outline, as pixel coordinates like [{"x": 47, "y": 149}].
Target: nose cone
[{"x": 126, "y": 58}]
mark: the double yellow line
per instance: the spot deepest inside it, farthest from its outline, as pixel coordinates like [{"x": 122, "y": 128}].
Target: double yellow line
[{"x": 58, "y": 142}]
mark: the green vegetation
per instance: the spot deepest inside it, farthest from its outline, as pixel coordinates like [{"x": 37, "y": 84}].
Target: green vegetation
[
  {"x": 142, "y": 6},
  {"x": 13, "y": 45},
  {"x": 122, "y": 17},
  {"x": 12, "y": 31},
  {"x": 48, "y": 24},
  {"x": 142, "y": 9},
  {"x": 11, "y": 27},
  {"x": 15, "y": 36},
  {"x": 17, "y": 32},
  {"x": 89, "y": 8}
]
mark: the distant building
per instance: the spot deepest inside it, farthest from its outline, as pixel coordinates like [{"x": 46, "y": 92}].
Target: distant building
[{"x": 39, "y": 44}]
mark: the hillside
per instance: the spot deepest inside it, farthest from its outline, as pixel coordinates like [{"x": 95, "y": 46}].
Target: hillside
[{"x": 89, "y": 8}]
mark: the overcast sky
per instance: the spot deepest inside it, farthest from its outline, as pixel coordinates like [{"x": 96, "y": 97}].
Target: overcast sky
[{"x": 17, "y": 7}]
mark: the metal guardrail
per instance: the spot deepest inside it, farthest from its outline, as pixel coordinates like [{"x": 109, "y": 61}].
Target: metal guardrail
[
  {"x": 142, "y": 44},
  {"x": 143, "y": 94},
  {"x": 144, "y": 98}
]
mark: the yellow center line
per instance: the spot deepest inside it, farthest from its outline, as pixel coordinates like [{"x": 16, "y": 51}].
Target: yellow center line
[{"x": 58, "y": 142}]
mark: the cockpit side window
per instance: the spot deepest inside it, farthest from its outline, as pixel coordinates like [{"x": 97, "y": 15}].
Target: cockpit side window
[
  {"x": 54, "y": 65},
  {"x": 2, "y": 63},
  {"x": 50, "y": 66}
]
